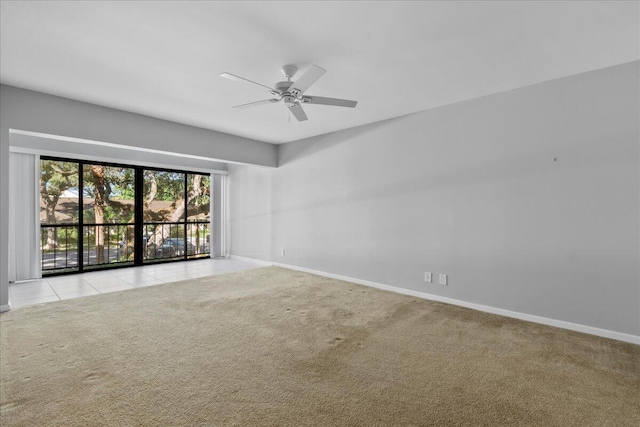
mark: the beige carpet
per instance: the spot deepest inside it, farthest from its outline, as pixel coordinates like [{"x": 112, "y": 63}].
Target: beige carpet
[{"x": 275, "y": 347}]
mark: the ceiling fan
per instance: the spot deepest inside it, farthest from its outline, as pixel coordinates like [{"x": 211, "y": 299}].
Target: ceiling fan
[{"x": 291, "y": 94}]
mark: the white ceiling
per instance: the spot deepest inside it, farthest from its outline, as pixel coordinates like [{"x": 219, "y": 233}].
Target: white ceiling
[{"x": 163, "y": 59}]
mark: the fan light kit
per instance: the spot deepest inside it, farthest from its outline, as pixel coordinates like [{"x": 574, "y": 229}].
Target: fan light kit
[{"x": 291, "y": 94}]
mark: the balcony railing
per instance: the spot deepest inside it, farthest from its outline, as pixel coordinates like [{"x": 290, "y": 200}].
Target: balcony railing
[
  {"x": 164, "y": 240},
  {"x": 107, "y": 245},
  {"x": 59, "y": 247}
]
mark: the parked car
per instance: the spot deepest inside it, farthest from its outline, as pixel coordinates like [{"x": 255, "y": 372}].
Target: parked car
[{"x": 173, "y": 247}]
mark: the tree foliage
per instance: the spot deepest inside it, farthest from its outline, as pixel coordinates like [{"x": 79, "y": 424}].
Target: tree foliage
[
  {"x": 112, "y": 190},
  {"x": 109, "y": 197}
]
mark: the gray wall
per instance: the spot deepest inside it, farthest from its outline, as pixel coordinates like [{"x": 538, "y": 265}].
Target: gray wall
[
  {"x": 527, "y": 199},
  {"x": 38, "y": 112},
  {"x": 45, "y": 146}
]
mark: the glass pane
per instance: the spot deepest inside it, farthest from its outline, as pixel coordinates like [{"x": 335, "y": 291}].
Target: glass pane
[
  {"x": 127, "y": 242},
  {"x": 64, "y": 255},
  {"x": 163, "y": 196},
  {"x": 103, "y": 244},
  {"x": 58, "y": 193},
  {"x": 198, "y": 239},
  {"x": 108, "y": 194},
  {"x": 109, "y": 204},
  {"x": 198, "y": 215},
  {"x": 164, "y": 241},
  {"x": 59, "y": 215},
  {"x": 198, "y": 197}
]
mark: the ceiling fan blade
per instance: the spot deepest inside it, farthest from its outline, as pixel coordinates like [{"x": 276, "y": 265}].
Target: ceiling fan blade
[
  {"x": 242, "y": 79},
  {"x": 255, "y": 104},
  {"x": 298, "y": 112},
  {"x": 307, "y": 79},
  {"x": 319, "y": 100}
]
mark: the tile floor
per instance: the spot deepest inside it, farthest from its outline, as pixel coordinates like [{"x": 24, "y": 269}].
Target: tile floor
[{"x": 99, "y": 282}]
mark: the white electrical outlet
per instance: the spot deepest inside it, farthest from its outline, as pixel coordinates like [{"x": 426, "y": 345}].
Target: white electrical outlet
[
  {"x": 427, "y": 276},
  {"x": 283, "y": 252},
  {"x": 443, "y": 279}
]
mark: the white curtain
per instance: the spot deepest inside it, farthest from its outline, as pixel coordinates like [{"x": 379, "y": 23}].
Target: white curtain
[
  {"x": 219, "y": 215},
  {"x": 24, "y": 217}
]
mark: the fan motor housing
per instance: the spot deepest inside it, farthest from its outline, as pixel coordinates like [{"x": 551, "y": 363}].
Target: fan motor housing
[
  {"x": 282, "y": 87},
  {"x": 289, "y": 100}
]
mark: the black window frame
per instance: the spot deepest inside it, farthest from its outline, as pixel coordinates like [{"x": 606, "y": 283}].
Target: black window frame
[{"x": 138, "y": 224}]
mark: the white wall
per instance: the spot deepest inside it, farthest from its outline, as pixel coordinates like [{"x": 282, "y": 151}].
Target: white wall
[
  {"x": 250, "y": 211},
  {"x": 528, "y": 200},
  {"x": 26, "y": 110}
]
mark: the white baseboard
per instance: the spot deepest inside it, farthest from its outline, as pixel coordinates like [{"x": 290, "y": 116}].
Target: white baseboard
[
  {"x": 5, "y": 307},
  {"x": 253, "y": 260},
  {"x": 620, "y": 336}
]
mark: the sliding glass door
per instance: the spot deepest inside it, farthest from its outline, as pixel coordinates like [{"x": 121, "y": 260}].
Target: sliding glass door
[
  {"x": 176, "y": 215},
  {"x": 198, "y": 215},
  {"x": 108, "y": 194},
  {"x": 98, "y": 215},
  {"x": 59, "y": 215},
  {"x": 163, "y": 236}
]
